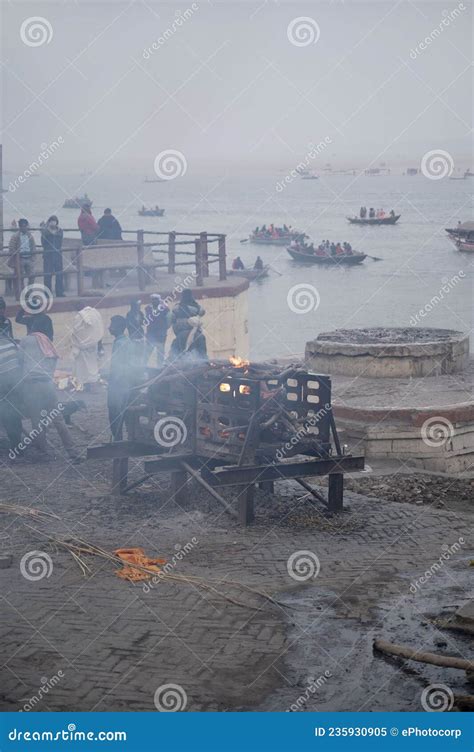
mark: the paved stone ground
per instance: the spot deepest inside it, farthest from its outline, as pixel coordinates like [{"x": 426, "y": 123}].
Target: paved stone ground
[{"x": 116, "y": 644}]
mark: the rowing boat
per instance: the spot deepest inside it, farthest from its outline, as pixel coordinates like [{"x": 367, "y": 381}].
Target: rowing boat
[
  {"x": 390, "y": 220},
  {"x": 347, "y": 259},
  {"x": 151, "y": 212},
  {"x": 250, "y": 274},
  {"x": 279, "y": 240},
  {"x": 466, "y": 246}
]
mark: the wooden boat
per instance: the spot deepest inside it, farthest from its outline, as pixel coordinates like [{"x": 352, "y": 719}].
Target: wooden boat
[
  {"x": 280, "y": 240},
  {"x": 374, "y": 220},
  {"x": 77, "y": 202},
  {"x": 154, "y": 180},
  {"x": 250, "y": 274},
  {"x": 466, "y": 246},
  {"x": 342, "y": 260},
  {"x": 455, "y": 178},
  {"x": 151, "y": 212},
  {"x": 464, "y": 231}
]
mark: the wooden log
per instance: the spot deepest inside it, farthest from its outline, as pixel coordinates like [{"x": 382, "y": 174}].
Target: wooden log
[
  {"x": 222, "y": 259},
  {"x": 434, "y": 659}
]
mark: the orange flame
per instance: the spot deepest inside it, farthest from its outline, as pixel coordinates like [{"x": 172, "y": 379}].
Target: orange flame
[{"x": 238, "y": 362}]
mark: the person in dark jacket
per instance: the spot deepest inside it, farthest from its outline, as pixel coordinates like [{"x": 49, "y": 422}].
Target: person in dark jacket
[
  {"x": 157, "y": 321},
  {"x": 109, "y": 227},
  {"x": 52, "y": 242},
  {"x": 120, "y": 376},
  {"x": 40, "y": 322},
  {"x": 10, "y": 376},
  {"x": 186, "y": 320},
  {"x": 5, "y": 323}
]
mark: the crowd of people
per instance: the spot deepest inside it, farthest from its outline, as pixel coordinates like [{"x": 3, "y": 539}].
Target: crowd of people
[
  {"x": 327, "y": 248},
  {"x": 272, "y": 232},
  {"x": 374, "y": 214},
  {"x": 22, "y": 246},
  {"x": 27, "y": 364}
]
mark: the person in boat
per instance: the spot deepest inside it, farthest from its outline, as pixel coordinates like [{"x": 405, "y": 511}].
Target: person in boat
[
  {"x": 258, "y": 264},
  {"x": 186, "y": 322},
  {"x": 109, "y": 226},
  {"x": 347, "y": 248},
  {"x": 361, "y": 212},
  {"x": 339, "y": 250},
  {"x": 380, "y": 214},
  {"x": 87, "y": 224},
  {"x": 332, "y": 249},
  {"x": 286, "y": 229},
  {"x": 237, "y": 264},
  {"x": 392, "y": 213},
  {"x": 320, "y": 251},
  {"x": 371, "y": 213}
]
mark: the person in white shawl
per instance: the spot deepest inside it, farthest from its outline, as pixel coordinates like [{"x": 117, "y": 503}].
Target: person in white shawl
[{"x": 87, "y": 331}]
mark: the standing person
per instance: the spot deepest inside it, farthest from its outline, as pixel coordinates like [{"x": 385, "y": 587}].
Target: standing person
[
  {"x": 135, "y": 322},
  {"x": 237, "y": 264},
  {"x": 87, "y": 331},
  {"x": 41, "y": 322},
  {"x": 52, "y": 242},
  {"x": 109, "y": 226},
  {"x": 186, "y": 319},
  {"x": 258, "y": 264},
  {"x": 120, "y": 381},
  {"x": 5, "y": 323},
  {"x": 38, "y": 358},
  {"x": 22, "y": 244},
  {"x": 87, "y": 224},
  {"x": 157, "y": 323},
  {"x": 10, "y": 376}
]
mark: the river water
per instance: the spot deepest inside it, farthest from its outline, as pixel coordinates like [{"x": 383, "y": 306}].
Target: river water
[{"x": 418, "y": 259}]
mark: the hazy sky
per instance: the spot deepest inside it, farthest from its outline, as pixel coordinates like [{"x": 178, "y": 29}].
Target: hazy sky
[{"x": 230, "y": 85}]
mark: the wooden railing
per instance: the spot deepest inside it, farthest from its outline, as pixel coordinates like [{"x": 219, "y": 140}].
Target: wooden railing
[{"x": 138, "y": 254}]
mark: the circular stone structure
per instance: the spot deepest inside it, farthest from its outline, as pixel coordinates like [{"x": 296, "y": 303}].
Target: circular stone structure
[{"x": 386, "y": 352}]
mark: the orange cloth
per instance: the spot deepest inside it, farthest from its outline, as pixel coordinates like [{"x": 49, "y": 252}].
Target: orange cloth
[{"x": 137, "y": 556}]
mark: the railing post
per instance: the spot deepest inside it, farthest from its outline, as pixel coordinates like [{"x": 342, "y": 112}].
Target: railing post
[
  {"x": 141, "y": 260},
  {"x": 204, "y": 254},
  {"x": 171, "y": 253},
  {"x": 222, "y": 258},
  {"x": 80, "y": 271},
  {"x": 199, "y": 277}
]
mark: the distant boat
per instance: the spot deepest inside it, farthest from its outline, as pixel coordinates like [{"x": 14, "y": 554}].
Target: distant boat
[
  {"x": 250, "y": 273},
  {"x": 346, "y": 259},
  {"x": 281, "y": 239},
  {"x": 390, "y": 220},
  {"x": 456, "y": 178},
  {"x": 310, "y": 177},
  {"x": 77, "y": 202},
  {"x": 466, "y": 246},
  {"x": 154, "y": 180},
  {"x": 151, "y": 212},
  {"x": 469, "y": 174}
]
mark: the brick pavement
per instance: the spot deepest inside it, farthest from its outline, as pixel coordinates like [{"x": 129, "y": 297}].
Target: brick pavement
[{"x": 116, "y": 644}]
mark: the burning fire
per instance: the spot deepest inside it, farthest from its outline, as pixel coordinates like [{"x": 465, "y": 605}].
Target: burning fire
[{"x": 238, "y": 362}]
